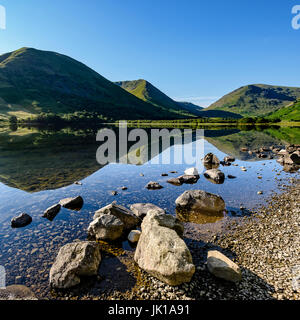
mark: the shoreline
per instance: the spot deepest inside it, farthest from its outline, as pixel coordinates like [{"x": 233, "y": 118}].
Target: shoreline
[{"x": 264, "y": 245}]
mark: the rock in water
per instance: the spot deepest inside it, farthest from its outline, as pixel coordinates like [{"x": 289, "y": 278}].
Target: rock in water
[
  {"x": 211, "y": 159},
  {"x": 106, "y": 227},
  {"x": 21, "y": 221},
  {"x": 162, "y": 253},
  {"x": 141, "y": 209},
  {"x": 134, "y": 236},
  {"x": 191, "y": 172},
  {"x": 16, "y": 292},
  {"x": 200, "y": 201},
  {"x": 51, "y": 212},
  {"x": 152, "y": 185},
  {"x": 229, "y": 159},
  {"x": 215, "y": 176},
  {"x": 72, "y": 203},
  {"x": 222, "y": 267},
  {"x": 129, "y": 220},
  {"x": 73, "y": 261}
]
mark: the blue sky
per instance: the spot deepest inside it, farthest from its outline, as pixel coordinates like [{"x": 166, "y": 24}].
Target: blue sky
[{"x": 192, "y": 50}]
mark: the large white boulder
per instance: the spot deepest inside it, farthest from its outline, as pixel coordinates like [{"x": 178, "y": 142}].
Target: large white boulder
[{"x": 161, "y": 252}]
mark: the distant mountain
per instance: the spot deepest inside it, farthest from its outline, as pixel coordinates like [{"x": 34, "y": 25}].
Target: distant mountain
[
  {"x": 256, "y": 100},
  {"x": 34, "y": 81},
  {"x": 145, "y": 91},
  {"x": 288, "y": 113},
  {"x": 193, "y": 108}
]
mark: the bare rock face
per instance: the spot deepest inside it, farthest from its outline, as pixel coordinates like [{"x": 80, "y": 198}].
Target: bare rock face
[
  {"x": 51, "y": 212},
  {"x": 222, "y": 267},
  {"x": 162, "y": 253},
  {"x": 16, "y": 292},
  {"x": 106, "y": 227},
  {"x": 200, "y": 201},
  {"x": 73, "y": 261},
  {"x": 72, "y": 203},
  {"x": 141, "y": 209},
  {"x": 215, "y": 175},
  {"x": 129, "y": 219},
  {"x": 22, "y": 220}
]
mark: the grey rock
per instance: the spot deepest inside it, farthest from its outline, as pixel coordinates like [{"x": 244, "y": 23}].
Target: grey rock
[
  {"x": 129, "y": 219},
  {"x": 222, "y": 267},
  {"x": 200, "y": 201},
  {"x": 17, "y": 292},
  {"x": 73, "y": 261},
  {"x": 215, "y": 176},
  {"x": 152, "y": 185},
  {"x": 162, "y": 253},
  {"x": 141, "y": 209},
  {"x": 51, "y": 212},
  {"x": 75, "y": 203},
  {"x": 106, "y": 227}
]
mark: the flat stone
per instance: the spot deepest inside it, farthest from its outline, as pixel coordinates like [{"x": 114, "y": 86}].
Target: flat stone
[
  {"x": 75, "y": 203},
  {"x": 222, "y": 267},
  {"x": 21, "y": 221},
  {"x": 51, "y": 212},
  {"x": 141, "y": 209}
]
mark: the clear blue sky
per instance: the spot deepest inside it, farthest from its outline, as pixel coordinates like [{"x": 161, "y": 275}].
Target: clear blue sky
[{"x": 191, "y": 49}]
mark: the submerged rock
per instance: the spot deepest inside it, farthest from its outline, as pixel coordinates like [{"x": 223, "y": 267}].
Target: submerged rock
[
  {"x": 162, "y": 253},
  {"x": 16, "y": 292},
  {"x": 129, "y": 219},
  {"x": 20, "y": 221},
  {"x": 200, "y": 201},
  {"x": 152, "y": 185},
  {"x": 215, "y": 176},
  {"x": 52, "y": 212},
  {"x": 141, "y": 209},
  {"x": 73, "y": 261},
  {"x": 72, "y": 203},
  {"x": 222, "y": 267},
  {"x": 106, "y": 227}
]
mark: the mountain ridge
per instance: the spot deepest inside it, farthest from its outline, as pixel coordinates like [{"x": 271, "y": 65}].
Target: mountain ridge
[{"x": 256, "y": 99}]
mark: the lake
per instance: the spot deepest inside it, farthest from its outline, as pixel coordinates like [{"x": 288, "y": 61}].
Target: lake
[{"x": 38, "y": 168}]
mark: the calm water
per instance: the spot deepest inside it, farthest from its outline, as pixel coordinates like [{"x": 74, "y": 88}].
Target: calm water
[{"x": 37, "y": 169}]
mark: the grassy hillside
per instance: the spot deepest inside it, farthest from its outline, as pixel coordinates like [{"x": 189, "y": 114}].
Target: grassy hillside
[
  {"x": 34, "y": 81},
  {"x": 288, "y": 113},
  {"x": 145, "y": 91},
  {"x": 256, "y": 100},
  {"x": 193, "y": 108}
]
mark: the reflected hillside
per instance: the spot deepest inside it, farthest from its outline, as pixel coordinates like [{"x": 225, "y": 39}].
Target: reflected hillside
[
  {"x": 252, "y": 139},
  {"x": 33, "y": 161}
]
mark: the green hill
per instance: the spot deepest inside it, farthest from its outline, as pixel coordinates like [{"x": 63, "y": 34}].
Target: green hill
[
  {"x": 190, "y": 107},
  {"x": 34, "y": 81},
  {"x": 288, "y": 113},
  {"x": 256, "y": 100},
  {"x": 145, "y": 91}
]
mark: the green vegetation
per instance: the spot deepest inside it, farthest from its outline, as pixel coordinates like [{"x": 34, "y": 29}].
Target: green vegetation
[
  {"x": 145, "y": 91},
  {"x": 256, "y": 100},
  {"x": 34, "y": 81},
  {"x": 289, "y": 113}
]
